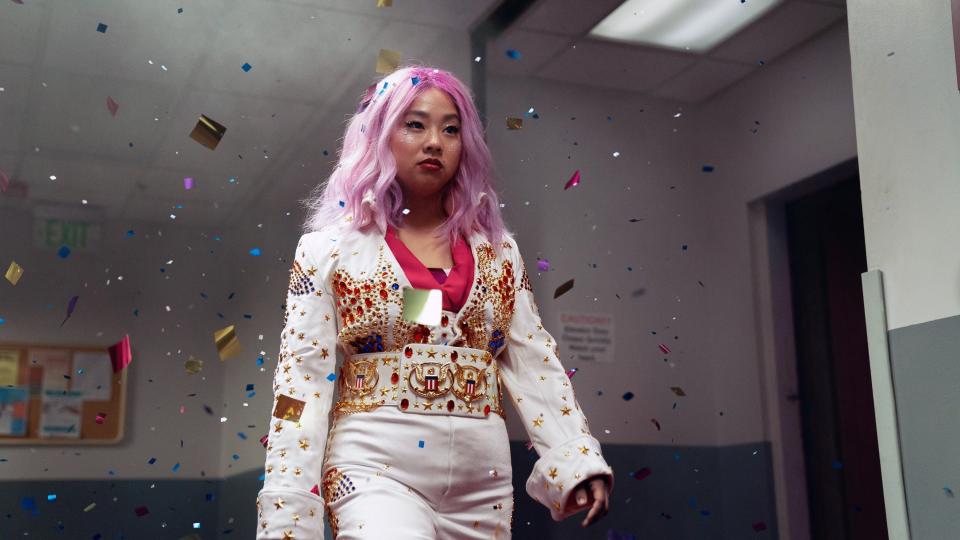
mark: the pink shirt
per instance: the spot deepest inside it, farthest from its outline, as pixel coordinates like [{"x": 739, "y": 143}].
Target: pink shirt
[{"x": 455, "y": 287}]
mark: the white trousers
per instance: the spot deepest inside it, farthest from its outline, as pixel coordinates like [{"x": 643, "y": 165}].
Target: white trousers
[{"x": 394, "y": 474}]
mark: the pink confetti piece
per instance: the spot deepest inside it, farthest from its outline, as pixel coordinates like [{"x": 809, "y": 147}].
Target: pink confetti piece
[
  {"x": 112, "y": 106},
  {"x": 182, "y": 409},
  {"x": 654, "y": 420},
  {"x": 188, "y": 183},
  {"x": 120, "y": 355},
  {"x": 264, "y": 440},
  {"x": 315, "y": 489},
  {"x": 18, "y": 2},
  {"x": 642, "y": 473},
  {"x": 101, "y": 417},
  {"x": 529, "y": 445},
  {"x": 664, "y": 348},
  {"x": 574, "y": 180},
  {"x": 759, "y": 526},
  {"x": 141, "y": 511},
  {"x": 571, "y": 372}
]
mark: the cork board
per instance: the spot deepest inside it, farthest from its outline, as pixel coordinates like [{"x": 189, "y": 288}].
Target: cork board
[{"x": 60, "y": 395}]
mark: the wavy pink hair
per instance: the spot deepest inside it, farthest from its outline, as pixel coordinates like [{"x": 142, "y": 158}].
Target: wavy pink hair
[{"x": 363, "y": 184}]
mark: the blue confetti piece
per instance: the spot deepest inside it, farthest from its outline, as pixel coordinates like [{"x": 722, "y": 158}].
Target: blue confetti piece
[
  {"x": 342, "y": 204},
  {"x": 51, "y": 496},
  {"x": 250, "y": 386},
  {"x": 102, "y": 28},
  {"x": 251, "y": 394},
  {"x": 260, "y": 361},
  {"x": 420, "y": 444},
  {"x": 693, "y": 503},
  {"x": 676, "y": 456},
  {"x": 255, "y": 252},
  {"x": 242, "y": 435},
  {"x": 152, "y": 460},
  {"x": 30, "y": 505},
  {"x": 63, "y": 252},
  {"x": 331, "y": 377},
  {"x": 236, "y": 457},
  {"x": 948, "y": 492},
  {"x": 2, "y": 320},
  {"x": 136, "y": 313},
  {"x": 837, "y": 465},
  {"x": 246, "y": 66},
  {"x": 196, "y": 525},
  {"x": 708, "y": 168},
  {"x": 180, "y": 10},
  {"x": 513, "y": 54},
  {"x": 130, "y": 233},
  {"x": 210, "y": 497},
  {"x": 262, "y": 476},
  {"x": 415, "y": 80},
  {"x": 628, "y": 396},
  {"x": 176, "y": 467},
  {"x": 704, "y": 512}
]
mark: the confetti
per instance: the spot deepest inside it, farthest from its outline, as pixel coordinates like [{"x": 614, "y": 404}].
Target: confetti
[
  {"x": 246, "y": 67},
  {"x": 141, "y": 511},
  {"x": 70, "y": 307},
  {"x": 571, "y": 372},
  {"x": 656, "y": 423},
  {"x": 677, "y": 390},
  {"x": 384, "y": 3},
  {"x": 315, "y": 489},
  {"x": 4, "y": 181},
  {"x": 387, "y": 61},
  {"x": 759, "y": 526},
  {"x": 288, "y": 408},
  {"x": 264, "y": 440},
  {"x": 664, "y": 348},
  {"x": 193, "y": 366},
  {"x": 188, "y": 183},
  {"x": 562, "y": 289},
  {"x": 14, "y": 273},
  {"x": 574, "y": 180},
  {"x": 543, "y": 265},
  {"x": 208, "y": 132},
  {"x": 101, "y": 417},
  {"x": 228, "y": 345},
  {"x": 102, "y": 28},
  {"x": 255, "y": 252},
  {"x": 90, "y": 507},
  {"x": 420, "y": 444},
  {"x": 642, "y": 473},
  {"x": 120, "y": 355},
  {"x": 112, "y": 106},
  {"x": 513, "y": 54},
  {"x": 948, "y": 492},
  {"x": 707, "y": 168},
  {"x": 514, "y": 123},
  {"x": 628, "y": 396},
  {"x": 63, "y": 252}
]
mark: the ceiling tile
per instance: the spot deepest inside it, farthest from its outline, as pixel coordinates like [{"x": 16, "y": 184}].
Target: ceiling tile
[
  {"x": 459, "y": 14},
  {"x": 571, "y": 17},
  {"x": 783, "y": 28},
  {"x": 103, "y": 182},
  {"x": 702, "y": 80},
  {"x": 535, "y": 49},
  {"x": 616, "y": 66},
  {"x": 22, "y": 31}
]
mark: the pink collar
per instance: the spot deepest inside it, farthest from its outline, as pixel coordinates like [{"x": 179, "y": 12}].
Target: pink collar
[{"x": 456, "y": 289}]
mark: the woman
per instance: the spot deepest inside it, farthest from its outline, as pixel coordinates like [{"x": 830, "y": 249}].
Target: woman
[{"x": 417, "y": 446}]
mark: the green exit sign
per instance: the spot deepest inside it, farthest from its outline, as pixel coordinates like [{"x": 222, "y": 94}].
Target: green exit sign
[{"x": 79, "y": 234}]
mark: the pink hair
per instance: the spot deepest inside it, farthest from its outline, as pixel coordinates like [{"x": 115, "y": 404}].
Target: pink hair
[{"x": 363, "y": 184}]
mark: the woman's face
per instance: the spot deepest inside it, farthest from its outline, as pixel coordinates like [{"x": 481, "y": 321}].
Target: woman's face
[{"x": 428, "y": 130}]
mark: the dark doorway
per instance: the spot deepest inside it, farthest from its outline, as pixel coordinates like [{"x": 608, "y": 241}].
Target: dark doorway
[{"x": 827, "y": 256}]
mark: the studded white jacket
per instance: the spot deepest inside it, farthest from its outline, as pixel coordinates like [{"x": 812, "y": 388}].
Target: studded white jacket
[{"x": 346, "y": 294}]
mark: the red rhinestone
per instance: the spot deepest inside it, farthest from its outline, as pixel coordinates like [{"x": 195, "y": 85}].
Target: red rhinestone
[
  {"x": 453, "y": 356},
  {"x": 444, "y": 321},
  {"x": 450, "y": 405},
  {"x": 408, "y": 352},
  {"x": 395, "y": 378},
  {"x": 404, "y": 403},
  {"x": 486, "y": 410}
]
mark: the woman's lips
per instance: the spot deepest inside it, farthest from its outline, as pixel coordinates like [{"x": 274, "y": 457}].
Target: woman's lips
[{"x": 430, "y": 166}]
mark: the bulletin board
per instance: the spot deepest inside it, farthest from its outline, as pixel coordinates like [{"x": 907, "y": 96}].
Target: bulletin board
[{"x": 59, "y": 395}]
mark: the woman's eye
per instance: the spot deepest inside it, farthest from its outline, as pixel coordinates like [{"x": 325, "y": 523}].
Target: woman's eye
[
  {"x": 455, "y": 129},
  {"x": 411, "y": 124}
]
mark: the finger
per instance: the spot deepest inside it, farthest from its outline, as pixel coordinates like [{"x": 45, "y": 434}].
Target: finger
[
  {"x": 594, "y": 510},
  {"x": 580, "y": 496}
]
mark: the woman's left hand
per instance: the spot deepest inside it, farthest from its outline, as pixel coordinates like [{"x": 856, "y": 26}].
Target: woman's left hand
[{"x": 594, "y": 493}]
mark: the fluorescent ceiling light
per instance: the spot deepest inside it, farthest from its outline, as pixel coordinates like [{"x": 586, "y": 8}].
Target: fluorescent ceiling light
[{"x": 687, "y": 25}]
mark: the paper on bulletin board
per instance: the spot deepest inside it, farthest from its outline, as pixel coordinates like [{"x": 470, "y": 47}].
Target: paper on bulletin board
[
  {"x": 92, "y": 375},
  {"x": 60, "y": 416},
  {"x": 14, "y": 403},
  {"x": 55, "y": 364},
  {"x": 9, "y": 366}
]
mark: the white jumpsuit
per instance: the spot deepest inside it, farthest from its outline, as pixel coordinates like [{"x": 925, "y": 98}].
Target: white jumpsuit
[{"x": 383, "y": 470}]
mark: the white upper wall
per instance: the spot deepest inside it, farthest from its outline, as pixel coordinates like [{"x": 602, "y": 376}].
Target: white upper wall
[{"x": 908, "y": 135}]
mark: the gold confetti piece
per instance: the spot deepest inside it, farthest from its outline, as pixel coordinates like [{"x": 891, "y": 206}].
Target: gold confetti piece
[
  {"x": 192, "y": 536},
  {"x": 90, "y": 507},
  {"x": 677, "y": 390},
  {"x": 384, "y": 3},
  {"x": 207, "y": 132},
  {"x": 388, "y": 61},
  {"x": 288, "y": 408},
  {"x": 193, "y": 366},
  {"x": 422, "y": 306},
  {"x": 563, "y": 288},
  {"x": 14, "y": 272},
  {"x": 514, "y": 123},
  {"x": 228, "y": 345}
]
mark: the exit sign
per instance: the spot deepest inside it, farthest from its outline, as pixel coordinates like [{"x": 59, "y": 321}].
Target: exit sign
[{"x": 76, "y": 228}]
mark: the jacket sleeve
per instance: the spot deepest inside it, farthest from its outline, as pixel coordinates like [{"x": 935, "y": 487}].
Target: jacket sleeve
[
  {"x": 543, "y": 395},
  {"x": 289, "y": 505}
]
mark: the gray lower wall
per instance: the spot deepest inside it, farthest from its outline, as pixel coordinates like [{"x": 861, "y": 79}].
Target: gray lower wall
[
  {"x": 695, "y": 493},
  {"x": 925, "y": 363}
]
